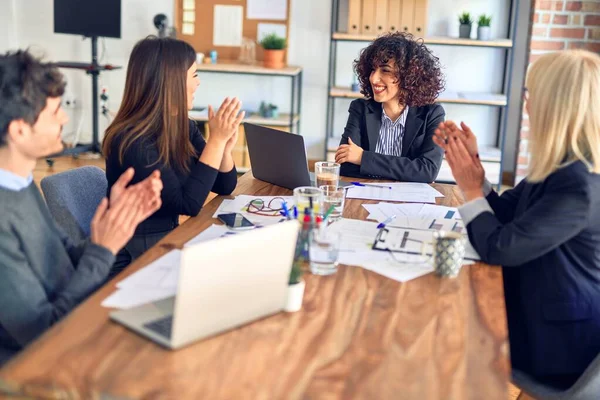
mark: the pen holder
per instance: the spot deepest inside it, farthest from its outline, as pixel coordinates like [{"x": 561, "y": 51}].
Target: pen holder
[
  {"x": 448, "y": 250},
  {"x": 308, "y": 197}
]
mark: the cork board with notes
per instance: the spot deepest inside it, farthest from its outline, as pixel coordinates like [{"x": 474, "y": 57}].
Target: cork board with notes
[{"x": 195, "y": 23}]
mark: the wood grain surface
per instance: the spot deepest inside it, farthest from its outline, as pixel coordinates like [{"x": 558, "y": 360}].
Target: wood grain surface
[{"x": 358, "y": 336}]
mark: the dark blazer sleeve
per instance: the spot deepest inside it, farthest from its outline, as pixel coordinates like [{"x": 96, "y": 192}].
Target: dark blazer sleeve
[
  {"x": 504, "y": 206},
  {"x": 424, "y": 167},
  {"x": 558, "y": 215},
  {"x": 225, "y": 182},
  {"x": 353, "y": 131}
]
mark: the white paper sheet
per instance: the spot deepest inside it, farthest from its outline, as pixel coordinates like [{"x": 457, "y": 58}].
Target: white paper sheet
[
  {"x": 133, "y": 297},
  {"x": 267, "y": 9},
  {"x": 187, "y": 28},
  {"x": 157, "y": 281},
  {"x": 382, "y": 211},
  {"x": 410, "y": 187},
  {"x": 189, "y": 16},
  {"x": 356, "y": 236},
  {"x": 434, "y": 211},
  {"x": 417, "y": 216},
  {"x": 356, "y": 250},
  {"x": 263, "y": 30},
  {"x": 210, "y": 233},
  {"x": 417, "y": 241},
  {"x": 401, "y": 272},
  {"x": 162, "y": 273},
  {"x": 405, "y": 192},
  {"x": 227, "y": 25},
  {"x": 433, "y": 224}
]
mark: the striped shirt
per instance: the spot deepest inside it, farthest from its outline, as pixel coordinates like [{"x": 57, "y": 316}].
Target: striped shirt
[{"x": 391, "y": 134}]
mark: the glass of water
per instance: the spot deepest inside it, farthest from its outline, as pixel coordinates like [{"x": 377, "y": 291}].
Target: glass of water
[
  {"x": 324, "y": 251},
  {"x": 333, "y": 196}
]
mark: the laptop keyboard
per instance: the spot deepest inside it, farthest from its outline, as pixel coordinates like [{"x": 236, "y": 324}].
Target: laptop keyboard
[{"x": 161, "y": 326}]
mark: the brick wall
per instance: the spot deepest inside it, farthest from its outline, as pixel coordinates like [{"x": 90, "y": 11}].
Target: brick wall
[{"x": 558, "y": 25}]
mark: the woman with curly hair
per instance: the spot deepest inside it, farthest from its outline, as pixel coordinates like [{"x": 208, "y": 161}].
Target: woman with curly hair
[{"x": 389, "y": 133}]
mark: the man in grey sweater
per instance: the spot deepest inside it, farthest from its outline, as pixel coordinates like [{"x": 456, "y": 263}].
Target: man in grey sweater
[{"x": 43, "y": 275}]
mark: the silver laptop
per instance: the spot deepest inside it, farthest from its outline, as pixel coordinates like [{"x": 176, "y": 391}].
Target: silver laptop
[
  {"x": 278, "y": 157},
  {"x": 223, "y": 283}
]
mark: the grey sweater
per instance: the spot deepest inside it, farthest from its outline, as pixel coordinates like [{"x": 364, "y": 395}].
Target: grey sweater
[{"x": 43, "y": 275}]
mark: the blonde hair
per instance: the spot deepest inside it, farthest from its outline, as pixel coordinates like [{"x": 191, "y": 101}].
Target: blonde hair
[{"x": 564, "y": 112}]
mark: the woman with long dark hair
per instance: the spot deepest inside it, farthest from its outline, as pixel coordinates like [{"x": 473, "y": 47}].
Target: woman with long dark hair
[
  {"x": 152, "y": 131},
  {"x": 389, "y": 132}
]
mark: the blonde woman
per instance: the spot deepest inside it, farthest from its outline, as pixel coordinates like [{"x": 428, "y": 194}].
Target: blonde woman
[{"x": 546, "y": 231}]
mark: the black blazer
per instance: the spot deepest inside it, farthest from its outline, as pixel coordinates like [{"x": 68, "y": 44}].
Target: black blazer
[
  {"x": 547, "y": 238},
  {"x": 421, "y": 158}
]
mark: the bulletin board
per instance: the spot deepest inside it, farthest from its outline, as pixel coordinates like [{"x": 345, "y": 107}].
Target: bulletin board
[{"x": 202, "y": 38}]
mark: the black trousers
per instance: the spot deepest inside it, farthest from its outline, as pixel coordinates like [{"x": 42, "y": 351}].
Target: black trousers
[{"x": 137, "y": 246}]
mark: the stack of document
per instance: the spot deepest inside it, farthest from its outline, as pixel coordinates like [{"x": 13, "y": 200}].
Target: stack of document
[
  {"x": 417, "y": 216},
  {"x": 356, "y": 249},
  {"x": 404, "y": 192},
  {"x": 357, "y": 238}
]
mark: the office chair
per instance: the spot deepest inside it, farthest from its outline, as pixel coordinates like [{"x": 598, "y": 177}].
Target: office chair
[
  {"x": 587, "y": 386},
  {"x": 73, "y": 197}
]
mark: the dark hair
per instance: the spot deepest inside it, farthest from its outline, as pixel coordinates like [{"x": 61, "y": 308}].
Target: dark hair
[
  {"x": 154, "y": 102},
  {"x": 417, "y": 69},
  {"x": 25, "y": 84}
]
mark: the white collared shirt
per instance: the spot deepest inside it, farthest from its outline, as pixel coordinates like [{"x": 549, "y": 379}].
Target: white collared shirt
[
  {"x": 391, "y": 134},
  {"x": 14, "y": 182}
]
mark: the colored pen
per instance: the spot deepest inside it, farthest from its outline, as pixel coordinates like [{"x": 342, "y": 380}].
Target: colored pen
[
  {"x": 377, "y": 186},
  {"x": 387, "y": 221},
  {"x": 286, "y": 211},
  {"x": 328, "y": 213}
]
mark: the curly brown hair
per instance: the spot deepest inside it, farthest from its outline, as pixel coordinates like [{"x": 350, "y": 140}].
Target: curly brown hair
[{"x": 418, "y": 71}]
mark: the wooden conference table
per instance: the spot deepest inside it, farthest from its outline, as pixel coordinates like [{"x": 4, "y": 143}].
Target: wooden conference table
[{"x": 359, "y": 335}]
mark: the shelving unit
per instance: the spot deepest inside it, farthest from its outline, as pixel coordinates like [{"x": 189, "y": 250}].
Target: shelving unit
[
  {"x": 435, "y": 40},
  {"x": 493, "y": 155},
  {"x": 285, "y": 121},
  {"x": 253, "y": 69},
  {"x": 294, "y": 73},
  {"x": 483, "y": 99}
]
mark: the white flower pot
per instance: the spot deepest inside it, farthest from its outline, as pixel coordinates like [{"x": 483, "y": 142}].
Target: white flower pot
[
  {"x": 484, "y": 33},
  {"x": 295, "y": 296}
]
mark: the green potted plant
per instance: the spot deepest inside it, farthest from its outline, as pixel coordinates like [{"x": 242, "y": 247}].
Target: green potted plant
[
  {"x": 466, "y": 22},
  {"x": 268, "y": 110},
  {"x": 296, "y": 287},
  {"x": 483, "y": 27},
  {"x": 274, "y": 51}
]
